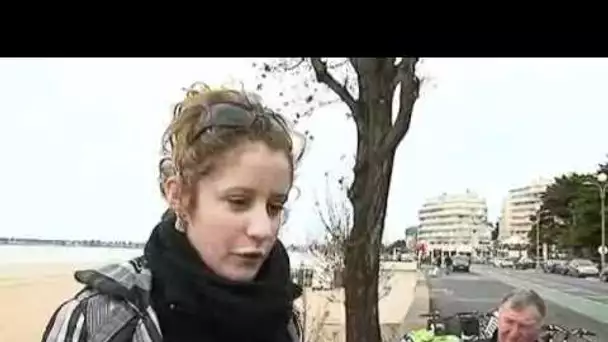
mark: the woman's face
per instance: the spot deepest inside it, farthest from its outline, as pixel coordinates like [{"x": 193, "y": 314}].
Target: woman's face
[{"x": 238, "y": 210}]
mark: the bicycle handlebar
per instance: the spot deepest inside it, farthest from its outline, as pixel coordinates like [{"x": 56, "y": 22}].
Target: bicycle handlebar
[
  {"x": 437, "y": 314},
  {"x": 579, "y": 332},
  {"x": 552, "y": 329},
  {"x": 431, "y": 314}
]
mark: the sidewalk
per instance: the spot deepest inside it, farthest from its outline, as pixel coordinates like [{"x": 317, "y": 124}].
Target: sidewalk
[{"x": 325, "y": 319}]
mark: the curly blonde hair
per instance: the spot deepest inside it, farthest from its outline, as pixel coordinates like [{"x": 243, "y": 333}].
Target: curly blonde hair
[{"x": 194, "y": 155}]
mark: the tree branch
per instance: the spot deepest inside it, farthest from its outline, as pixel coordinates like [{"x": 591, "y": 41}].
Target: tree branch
[
  {"x": 355, "y": 63},
  {"x": 397, "y": 68},
  {"x": 323, "y": 76},
  {"x": 330, "y": 227},
  {"x": 295, "y": 66},
  {"x": 410, "y": 90}
]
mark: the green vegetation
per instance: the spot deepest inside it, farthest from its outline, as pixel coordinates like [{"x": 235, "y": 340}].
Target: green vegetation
[
  {"x": 400, "y": 244},
  {"x": 570, "y": 214}
]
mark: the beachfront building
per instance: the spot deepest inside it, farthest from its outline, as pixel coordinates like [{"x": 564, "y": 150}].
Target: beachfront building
[
  {"x": 455, "y": 224},
  {"x": 520, "y": 203}
]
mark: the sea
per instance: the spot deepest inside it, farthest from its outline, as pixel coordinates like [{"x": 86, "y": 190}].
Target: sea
[{"x": 48, "y": 254}]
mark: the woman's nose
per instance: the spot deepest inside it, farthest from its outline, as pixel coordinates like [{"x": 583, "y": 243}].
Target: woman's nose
[{"x": 260, "y": 226}]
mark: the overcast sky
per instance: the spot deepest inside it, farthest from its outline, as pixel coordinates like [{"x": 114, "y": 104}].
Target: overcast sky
[{"x": 81, "y": 138}]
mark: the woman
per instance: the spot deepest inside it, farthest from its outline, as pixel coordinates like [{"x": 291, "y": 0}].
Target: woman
[{"x": 213, "y": 268}]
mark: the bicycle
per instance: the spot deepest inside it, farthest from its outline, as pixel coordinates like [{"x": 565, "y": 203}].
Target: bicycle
[
  {"x": 458, "y": 327},
  {"x": 480, "y": 326},
  {"x": 552, "y": 331}
]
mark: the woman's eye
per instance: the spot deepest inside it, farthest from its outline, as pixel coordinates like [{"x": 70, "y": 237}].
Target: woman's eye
[
  {"x": 238, "y": 203},
  {"x": 275, "y": 209}
]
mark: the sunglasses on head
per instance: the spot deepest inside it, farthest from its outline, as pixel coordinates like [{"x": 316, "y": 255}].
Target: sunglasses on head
[{"x": 236, "y": 115}]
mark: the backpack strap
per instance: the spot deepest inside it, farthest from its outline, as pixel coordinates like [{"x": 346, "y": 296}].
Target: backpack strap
[{"x": 295, "y": 328}]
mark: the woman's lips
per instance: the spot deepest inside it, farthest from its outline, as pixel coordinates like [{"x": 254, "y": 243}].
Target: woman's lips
[{"x": 250, "y": 256}]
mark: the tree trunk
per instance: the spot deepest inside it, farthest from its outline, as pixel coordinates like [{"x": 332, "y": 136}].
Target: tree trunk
[
  {"x": 368, "y": 194},
  {"x": 363, "y": 263}
]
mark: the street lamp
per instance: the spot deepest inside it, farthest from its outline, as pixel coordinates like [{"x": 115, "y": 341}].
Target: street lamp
[
  {"x": 475, "y": 221},
  {"x": 536, "y": 219},
  {"x": 601, "y": 185},
  {"x": 537, "y": 238}
]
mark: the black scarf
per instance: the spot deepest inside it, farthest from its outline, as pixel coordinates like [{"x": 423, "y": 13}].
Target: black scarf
[{"x": 195, "y": 304}]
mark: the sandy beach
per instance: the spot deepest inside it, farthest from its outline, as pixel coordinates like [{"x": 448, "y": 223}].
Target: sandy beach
[
  {"x": 29, "y": 293},
  {"x": 28, "y": 296}
]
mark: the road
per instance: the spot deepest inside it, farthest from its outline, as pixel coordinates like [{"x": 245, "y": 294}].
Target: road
[{"x": 571, "y": 302}]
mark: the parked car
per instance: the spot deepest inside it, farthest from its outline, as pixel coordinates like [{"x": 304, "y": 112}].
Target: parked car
[
  {"x": 461, "y": 263},
  {"x": 604, "y": 274},
  {"x": 524, "y": 263},
  {"x": 582, "y": 268},
  {"x": 560, "y": 267},
  {"x": 507, "y": 263},
  {"x": 549, "y": 265}
]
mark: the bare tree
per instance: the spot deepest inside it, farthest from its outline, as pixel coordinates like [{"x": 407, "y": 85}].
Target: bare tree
[
  {"x": 367, "y": 88},
  {"x": 328, "y": 255},
  {"x": 329, "y": 252},
  {"x": 313, "y": 319},
  {"x": 336, "y": 217}
]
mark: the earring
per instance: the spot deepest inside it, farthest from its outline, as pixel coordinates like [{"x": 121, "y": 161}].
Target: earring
[{"x": 180, "y": 224}]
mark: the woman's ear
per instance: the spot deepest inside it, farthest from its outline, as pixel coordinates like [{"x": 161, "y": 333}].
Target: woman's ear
[
  {"x": 178, "y": 201},
  {"x": 173, "y": 193}
]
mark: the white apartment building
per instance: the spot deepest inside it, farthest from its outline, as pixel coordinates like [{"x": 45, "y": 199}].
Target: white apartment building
[
  {"x": 518, "y": 206},
  {"x": 455, "y": 223}
]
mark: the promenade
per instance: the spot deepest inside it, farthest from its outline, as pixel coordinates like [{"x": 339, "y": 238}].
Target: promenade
[{"x": 325, "y": 318}]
